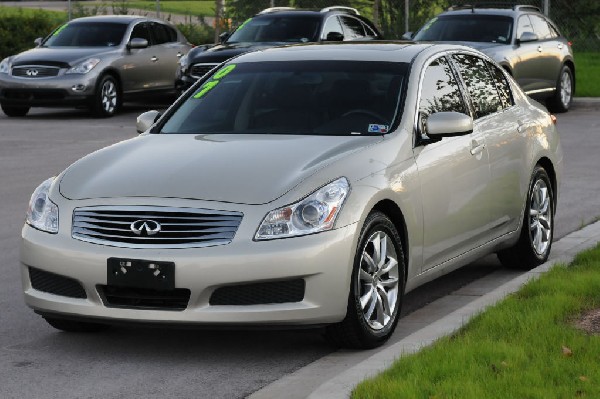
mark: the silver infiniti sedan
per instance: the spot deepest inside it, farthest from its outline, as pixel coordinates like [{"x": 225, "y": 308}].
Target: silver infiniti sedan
[
  {"x": 310, "y": 185},
  {"x": 94, "y": 62}
]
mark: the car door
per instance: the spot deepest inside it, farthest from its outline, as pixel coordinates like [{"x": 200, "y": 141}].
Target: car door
[
  {"x": 137, "y": 66},
  {"x": 550, "y": 51},
  {"x": 528, "y": 65},
  {"x": 453, "y": 172},
  {"x": 502, "y": 126},
  {"x": 167, "y": 51}
]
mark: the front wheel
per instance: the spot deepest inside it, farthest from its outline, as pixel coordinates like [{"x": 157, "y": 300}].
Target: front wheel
[
  {"x": 537, "y": 230},
  {"x": 107, "y": 98},
  {"x": 12, "y": 111},
  {"x": 563, "y": 95},
  {"x": 376, "y": 287}
]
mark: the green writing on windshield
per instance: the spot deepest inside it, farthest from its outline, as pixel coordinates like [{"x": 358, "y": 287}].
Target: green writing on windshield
[
  {"x": 244, "y": 23},
  {"x": 214, "y": 81},
  {"x": 60, "y": 29}
]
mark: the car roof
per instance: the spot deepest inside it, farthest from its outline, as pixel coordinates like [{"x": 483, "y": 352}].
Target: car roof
[
  {"x": 484, "y": 9},
  {"x": 342, "y": 51},
  {"x": 115, "y": 18}
]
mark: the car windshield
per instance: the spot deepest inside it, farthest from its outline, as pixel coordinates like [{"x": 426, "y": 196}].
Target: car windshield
[
  {"x": 300, "y": 97},
  {"x": 293, "y": 29},
  {"x": 467, "y": 28},
  {"x": 87, "y": 34}
]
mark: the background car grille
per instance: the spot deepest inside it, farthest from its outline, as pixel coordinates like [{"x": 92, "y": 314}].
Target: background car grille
[
  {"x": 260, "y": 293},
  {"x": 179, "y": 227},
  {"x": 55, "y": 284},
  {"x": 35, "y": 71},
  {"x": 199, "y": 70}
]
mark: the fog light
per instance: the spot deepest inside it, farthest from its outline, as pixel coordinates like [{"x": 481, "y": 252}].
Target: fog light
[{"x": 79, "y": 87}]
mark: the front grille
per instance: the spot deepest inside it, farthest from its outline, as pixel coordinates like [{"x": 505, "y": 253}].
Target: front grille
[
  {"x": 199, "y": 70},
  {"x": 260, "y": 293},
  {"x": 154, "y": 227},
  {"x": 34, "y": 94},
  {"x": 56, "y": 284},
  {"x": 35, "y": 71},
  {"x": 142, "y": 298}
]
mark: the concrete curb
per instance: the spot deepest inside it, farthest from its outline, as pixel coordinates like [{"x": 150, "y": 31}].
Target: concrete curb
[
  {"x": 586, "y": 102},
  {"x": 340, "y": 386}
]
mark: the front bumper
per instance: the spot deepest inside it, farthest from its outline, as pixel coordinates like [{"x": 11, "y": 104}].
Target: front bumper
[
  {"x": 324, "y": 261},
  {"x": 62, "y": 90}
]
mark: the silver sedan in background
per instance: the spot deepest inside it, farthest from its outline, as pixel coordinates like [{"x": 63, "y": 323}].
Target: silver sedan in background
[
  {"x": 94, "y": 62},
  {"x": 310, "y": 185}
]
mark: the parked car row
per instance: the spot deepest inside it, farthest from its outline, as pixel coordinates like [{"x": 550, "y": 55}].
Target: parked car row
[{"x": 99, "y": 62}]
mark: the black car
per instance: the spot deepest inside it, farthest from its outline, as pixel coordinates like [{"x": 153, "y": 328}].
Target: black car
[{"x": 275, "y": 27}]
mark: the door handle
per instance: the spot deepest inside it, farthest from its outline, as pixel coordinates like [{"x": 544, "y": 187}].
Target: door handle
[
  {"x": 179, "y": 55},
  {"x": 539, "y": 49},
  {"x": 560, "y": 46},
  {"x": 154, "y": 58},
  {"x": 476, "y": 147}
]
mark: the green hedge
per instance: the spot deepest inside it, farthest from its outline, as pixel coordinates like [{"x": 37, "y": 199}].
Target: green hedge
[{"x": 20, "y": 27}]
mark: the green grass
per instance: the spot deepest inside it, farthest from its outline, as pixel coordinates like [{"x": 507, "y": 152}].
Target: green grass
[
  {"x": 513, "y": 350},
  {"x": 587, "y": 79},
  {"x": 190, "y": 7},
  {"x": 54, "y": 16}
]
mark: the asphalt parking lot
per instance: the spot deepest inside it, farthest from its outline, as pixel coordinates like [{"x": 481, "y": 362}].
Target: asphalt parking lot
[{"x": 39, "y": 362}]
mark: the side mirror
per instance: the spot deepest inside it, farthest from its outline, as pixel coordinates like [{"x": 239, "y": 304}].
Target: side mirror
[
  {"x": 137, "y": 42},
  {"x": 407, "y": 36},
  {"x": 527, "y": 37},
  {"x": 335, "y": 37},
  {"x": 448, "y": 124},
  {"x": 38, "y": 41},
  {"x": 146, "y": 120},
  {"x": 224, "y": 36}
]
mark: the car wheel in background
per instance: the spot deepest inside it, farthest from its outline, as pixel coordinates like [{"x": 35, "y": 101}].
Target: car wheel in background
[
  {"x": 537, "y": 230},
  {"x": 376, "y": 287},
  {"x": 74, "y": 326},
  {"x": 107, "y": 99},
  {"x": 563, "y": 96},
  {"x": 11, "y": 110}
]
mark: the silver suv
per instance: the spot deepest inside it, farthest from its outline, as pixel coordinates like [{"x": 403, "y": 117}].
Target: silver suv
[
  {"x": 521, "y": 39},
  {"x": 94, "y": 62}
]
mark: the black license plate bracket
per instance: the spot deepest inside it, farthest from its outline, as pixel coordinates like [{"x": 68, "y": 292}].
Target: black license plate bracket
[{"x": 140, "y": 273}]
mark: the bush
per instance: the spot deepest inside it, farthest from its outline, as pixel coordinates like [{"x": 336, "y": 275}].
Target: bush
[{"x": 19, "y": 28}]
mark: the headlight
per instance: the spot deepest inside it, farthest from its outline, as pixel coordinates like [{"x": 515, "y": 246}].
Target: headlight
[
  {"x": 5, "y": 65},
  {"x": 85, "y": 66},
  {"x": 313, "y": 214},
  {"x": 43, "y": 213},
  {"x": 183, "y": 63}
]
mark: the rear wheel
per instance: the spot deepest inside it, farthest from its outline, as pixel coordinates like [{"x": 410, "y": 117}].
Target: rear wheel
[
  {"x": 74, "y": 326},
  {"x": 11, "y": 110},
  {"x": 537, "y": 230},
  {"x": 376, "y": 288},
  {"x": 107, "y": 99},
  {"x": 563, "y": 95}
]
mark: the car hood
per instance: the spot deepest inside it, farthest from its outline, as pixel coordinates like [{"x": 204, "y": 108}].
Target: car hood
[
  {"x": 252, "y": 169},
  {"x": 60, "y": 56},
  {"x": 223, "y": 52},
  {"x": 481, "y": 46}
]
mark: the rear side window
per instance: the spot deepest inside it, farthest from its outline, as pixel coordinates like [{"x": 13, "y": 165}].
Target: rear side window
[
  {"x": 353, "y": 27},
  {"x": 480, "y": 84},
  {"x": 502, "y": 85},
  {"x": 439, "y": 90}
]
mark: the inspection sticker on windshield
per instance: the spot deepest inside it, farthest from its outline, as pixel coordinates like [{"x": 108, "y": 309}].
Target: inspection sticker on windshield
[{"x": 374, "y": 128}]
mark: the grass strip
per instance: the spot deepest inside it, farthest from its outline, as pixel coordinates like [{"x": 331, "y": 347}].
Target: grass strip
[
  {"x": 524, "y": 347},
  {"x": 587, "y": 75}
]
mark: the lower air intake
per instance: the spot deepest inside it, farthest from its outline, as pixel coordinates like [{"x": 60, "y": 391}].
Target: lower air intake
[{"x": 260, "y": 293}]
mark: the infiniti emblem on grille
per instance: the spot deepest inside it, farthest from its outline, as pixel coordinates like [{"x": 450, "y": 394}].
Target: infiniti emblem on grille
[
  {"x": 145, "y": 227},
  {"x": 32, "y": 72}
]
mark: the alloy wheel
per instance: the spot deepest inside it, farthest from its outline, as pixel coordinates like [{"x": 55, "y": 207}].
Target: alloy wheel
[
  {"x": 566, "y": 88},
  {"x": 378, "y": 280},
  {"x": 540, "y": 217},
  {"x": 109, "y": 97}
]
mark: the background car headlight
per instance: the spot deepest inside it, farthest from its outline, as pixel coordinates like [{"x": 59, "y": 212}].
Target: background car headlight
[
  {"x": 313, "y": 214},
  {"x": 42, "y": 212},
  {"x": 85, "y": 66},
  {"x": 183, "y": 63},
  {"x": 5, "y": 65}
]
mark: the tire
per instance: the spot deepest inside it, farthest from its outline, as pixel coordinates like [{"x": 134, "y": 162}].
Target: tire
[
  {"x": 563, "y": 96},
  {"x": 537, "y": 231},
  {"x": 12, "y": 111},
  {"x": 107, "y": 98},
  {"x": 75, "y": 326},
  {"x": 370, "y": 325}
]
